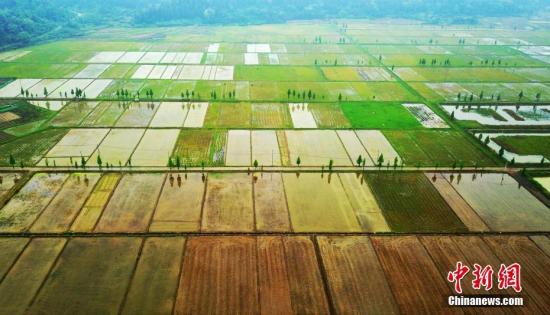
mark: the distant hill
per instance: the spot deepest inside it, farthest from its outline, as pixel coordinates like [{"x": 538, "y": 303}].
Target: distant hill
[{"x": 26, "y": 21}]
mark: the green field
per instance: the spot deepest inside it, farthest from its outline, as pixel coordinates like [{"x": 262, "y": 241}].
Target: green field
[
  {"x": 525, "y": 145},
  {"x": 444, "y": 148},
  {"x": 379, "y": 115}
]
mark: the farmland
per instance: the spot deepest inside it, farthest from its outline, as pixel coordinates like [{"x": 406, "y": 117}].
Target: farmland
[{"x": 322, "y": 167}]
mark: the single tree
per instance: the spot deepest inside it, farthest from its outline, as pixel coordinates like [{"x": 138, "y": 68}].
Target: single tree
[
  {"x": 12, "y": 160},
  {"x": 255, "y": 163},
  {"x": 330, "y": 165},
  {"x": 298, "y": 161}
]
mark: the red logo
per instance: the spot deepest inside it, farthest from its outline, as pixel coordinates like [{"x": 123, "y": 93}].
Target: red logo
[{"x": 508, "y": 277}]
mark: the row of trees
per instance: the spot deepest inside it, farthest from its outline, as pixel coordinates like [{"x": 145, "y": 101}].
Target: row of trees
[{"x": 465, "y": 97}]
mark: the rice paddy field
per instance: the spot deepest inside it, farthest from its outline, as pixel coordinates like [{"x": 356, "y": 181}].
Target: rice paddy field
[{"x": 260, "y": 169}]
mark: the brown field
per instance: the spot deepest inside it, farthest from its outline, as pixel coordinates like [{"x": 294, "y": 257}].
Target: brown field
[
  {"x": 410, "y": 270},
  {"x": 278, "y": 274},
  {"x": 91, "y": 211},
  {"x": 445, "y": 254},
  {"x": 179, "y": 205},
  {"x": 534, "y": 264},
  {"x": 132, "y": 204},
  {"x": 60, "y": 213},
  {"x": 155, "y": 282},
  {"x": 274, "y": 286},
  {"x": 304, "y": 276},
  {"x": 23, "y": 208},
  {"x": 24, "y": 279},
  {"x": 270, "y": 203},
  {"x": 10, "y": 249},
  {"x": 219, "y": 276},
  {"x": 355, "y": 277},
  {"x": 228, "y": 203},
  {"x": 108, "y": 263},
  {"x": 467, "y": 215},
  {"x": 542, "y": 241}
]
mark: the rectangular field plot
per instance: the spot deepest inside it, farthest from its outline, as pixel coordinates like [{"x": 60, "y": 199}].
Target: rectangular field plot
[
  {"x": 441, "y": 147},
  {"x": 132, "y": 204},
  {"x": 290, "y": 279},
  {"x": 92, "y": 71},
  {"x": 152, "y": 57},
  {"x": 410, "y": 203},
  {"x": 258, "y": 48},
  {"x": 117, "y": 147},
  {"x": 179, "y": 205},
  {"x": 105, "y": 114},
  {"x": 193, "y": 58},
  {"x": 265, "y": 148},
  {"x": 329, "y": 115},
  {"x": 219, "y": 275},
  {"x": 170, "y": 115},
  {"x": 354, "y": 147},
  {"x": 30, "y": 149},
  {"x": 77, "y": 143},
  {"x": 462, "y": 209},
  {"x": 364, "y": 204},
  {"x": 270, "y": 116},
  {"x": 502, "y": 203},
  {"x": 378, "y": 147},
  {"x": 143, "y": 72},
  {"x": 155, "y": 147},
  {"x": 379, "y": 115},
  {"x": 228, "y": 115},
  {"x": 355, "y": 276},
  {"x": 137, "y": 114},
  {"x": 316, "y": 147},
  {"x": 407, "y": 279},
  {"x": 155, "y": 280},
  {"x": 228, "y": 203},
  {"x": 270, "y": 203},
  {"x": 251, "y": 59},
  {"x": 196, "y": 112},
  {"x": 73, "y": 114},
  {"x": 45, "y": 87},
  {"x": 92, "y": 209},
  {"x": 426, "y": 116},
  {"x": 106, "y": 57},
  {"x": 198, "y": 146},
  {"x": 24, "y": 280},
  {"x": 23, "y": 208},
  {"x": 318, "y": 204},
  {"x": 96, "y": 88},
  {"x": 62, "y": 210},
  {"x": 7, "y": 181},
  {"x": 131, "y": 57},
  {"x": 108, "y": 265},
  {"x": 14, "y": 88},
  {"x": 238, "y": 148},
  {"x": 157, "y": 72},
  {"x": 10, "y": 248}
]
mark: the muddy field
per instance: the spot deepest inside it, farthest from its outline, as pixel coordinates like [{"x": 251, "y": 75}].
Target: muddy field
[{"x": 243, "y": 274}]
